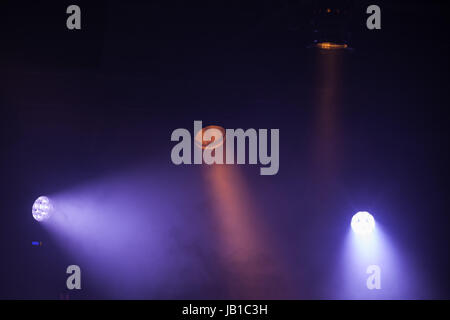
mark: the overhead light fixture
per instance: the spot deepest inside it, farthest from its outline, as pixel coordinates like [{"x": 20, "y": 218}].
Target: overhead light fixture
[{"x": 331, "y": 45}]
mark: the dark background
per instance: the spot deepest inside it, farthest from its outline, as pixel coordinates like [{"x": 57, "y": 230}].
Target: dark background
[{"x": 78, "y": 105}]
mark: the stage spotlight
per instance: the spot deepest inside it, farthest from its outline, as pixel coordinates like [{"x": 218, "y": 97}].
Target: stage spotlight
[
  {"x": 331, "y": 45},
  {"x": 331, "y": 26},
  {"x": 363, "y": 223},
  {"x": 204, "y": 144},
  {"x": 42, "y": 208}
]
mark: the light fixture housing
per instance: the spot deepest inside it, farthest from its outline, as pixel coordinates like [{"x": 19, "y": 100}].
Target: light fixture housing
[
  {"x": 331, "y": 45},
  {"x": 42, "y": 208},
  {"x": 363, "y": 223},
  {"x": 204, "y": 144}
]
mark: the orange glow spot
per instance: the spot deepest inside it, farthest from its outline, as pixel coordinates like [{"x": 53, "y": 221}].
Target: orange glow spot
[
  {"x": 331, "y": 45},
  {"x": 328, "y": 10},
  {"x": 209, "y": 144}
]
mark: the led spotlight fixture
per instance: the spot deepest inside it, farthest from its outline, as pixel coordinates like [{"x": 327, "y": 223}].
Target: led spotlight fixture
[
  {"x": 363, "y": 223},
  {"x": 331, "y": 26},
  {"x": 42, "y": 208},
  {"x": 201, "y": 143}
]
